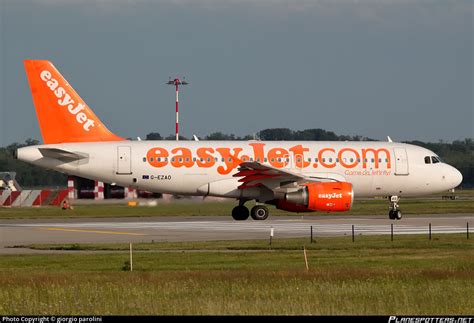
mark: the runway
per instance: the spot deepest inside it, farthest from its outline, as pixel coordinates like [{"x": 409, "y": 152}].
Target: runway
[{"x": 173, "y": 228}]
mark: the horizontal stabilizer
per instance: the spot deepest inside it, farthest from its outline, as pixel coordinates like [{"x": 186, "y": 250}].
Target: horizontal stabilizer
[{"x": 61, "y": 154}]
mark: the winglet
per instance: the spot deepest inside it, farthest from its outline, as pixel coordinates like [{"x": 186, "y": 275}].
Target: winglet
[
  {"x": 63, "y": 116},
  {"x": 389, "y": 139}
]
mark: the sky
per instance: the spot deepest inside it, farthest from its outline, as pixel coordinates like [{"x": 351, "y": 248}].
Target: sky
[{"x": 402, "y": 68}]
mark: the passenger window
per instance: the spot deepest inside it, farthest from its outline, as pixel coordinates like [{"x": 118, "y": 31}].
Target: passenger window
[{"x": 144, "y": 159}]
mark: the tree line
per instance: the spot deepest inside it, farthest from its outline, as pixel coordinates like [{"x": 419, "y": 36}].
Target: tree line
[{"x": 459, "y": 153}]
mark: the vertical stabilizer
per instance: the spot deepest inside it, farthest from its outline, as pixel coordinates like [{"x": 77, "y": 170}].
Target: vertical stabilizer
[{"x": 63, "y": 116}]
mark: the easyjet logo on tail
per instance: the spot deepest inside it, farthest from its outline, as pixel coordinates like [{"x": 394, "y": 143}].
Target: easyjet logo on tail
[{"x": 65, "y": 100}]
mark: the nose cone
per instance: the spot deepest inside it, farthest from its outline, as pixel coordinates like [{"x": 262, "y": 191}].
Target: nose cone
[{"x": 455, "y": 177}]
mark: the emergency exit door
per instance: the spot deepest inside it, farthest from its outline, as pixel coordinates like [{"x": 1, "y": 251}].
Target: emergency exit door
[{"x": 124, "y": 160}]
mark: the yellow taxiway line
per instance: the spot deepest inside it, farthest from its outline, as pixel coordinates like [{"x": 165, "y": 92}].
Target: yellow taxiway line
[{"x": 94, "y": 231}]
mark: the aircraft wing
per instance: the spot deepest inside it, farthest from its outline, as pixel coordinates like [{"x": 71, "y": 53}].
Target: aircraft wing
[{"x": 255, "y": 174}]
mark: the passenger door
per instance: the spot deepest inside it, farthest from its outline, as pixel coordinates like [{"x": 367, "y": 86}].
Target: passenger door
[
  {"x": 124, "y": 160},
  {"x": 401, "y": 161}
]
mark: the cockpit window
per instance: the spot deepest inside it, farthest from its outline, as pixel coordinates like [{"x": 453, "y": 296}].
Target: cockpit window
[
  {"x": 434, "y": 159},
  {"x": 427, "y": 160}
]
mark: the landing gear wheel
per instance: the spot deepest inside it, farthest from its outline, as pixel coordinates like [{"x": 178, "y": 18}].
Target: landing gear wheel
[
  {"x": 240, "y": 213},
  {"x": 391, "y": 215},
  {"x": 397, "y": 214},
  {"x": 259, "y": 212},
  {"x": 394, "y": 213}
]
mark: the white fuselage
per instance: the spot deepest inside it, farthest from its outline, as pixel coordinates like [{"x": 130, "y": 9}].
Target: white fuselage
[{"x": 206, "y": 167}]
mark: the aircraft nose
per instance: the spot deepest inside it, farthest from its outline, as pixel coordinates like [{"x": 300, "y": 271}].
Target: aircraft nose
[{"x": 456, "y": 177}]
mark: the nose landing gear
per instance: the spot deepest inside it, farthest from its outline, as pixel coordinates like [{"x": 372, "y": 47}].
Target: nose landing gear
[{"x": 395, "y": 213}]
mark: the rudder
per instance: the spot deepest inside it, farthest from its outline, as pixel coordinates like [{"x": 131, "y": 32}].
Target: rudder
[{"x": 63, "y": 116}]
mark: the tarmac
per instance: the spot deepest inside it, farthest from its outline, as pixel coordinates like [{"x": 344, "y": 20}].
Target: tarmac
[{"x": 22, "y": 232}]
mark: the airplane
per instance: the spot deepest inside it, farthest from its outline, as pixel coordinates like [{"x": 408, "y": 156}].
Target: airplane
[{"x": 304, "y": 176}]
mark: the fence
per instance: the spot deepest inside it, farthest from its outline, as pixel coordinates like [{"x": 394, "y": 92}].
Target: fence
[
  {"x": 393, "y": 230},
  {"x": 32, "y": 197}
]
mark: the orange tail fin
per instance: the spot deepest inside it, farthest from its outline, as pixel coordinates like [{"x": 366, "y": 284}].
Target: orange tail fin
[{"x": 63, "y": 116}]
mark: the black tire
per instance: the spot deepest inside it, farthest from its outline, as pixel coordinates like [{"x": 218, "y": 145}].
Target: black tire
[
  {"x": 259, "y": 212},
  {"x": 398, "y": 214},
  {"x": 391, "y": 215},
  {"x": 240, "y": 213}
]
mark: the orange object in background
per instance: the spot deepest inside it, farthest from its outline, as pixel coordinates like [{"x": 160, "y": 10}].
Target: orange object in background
[{"x": 65, "y": 205}]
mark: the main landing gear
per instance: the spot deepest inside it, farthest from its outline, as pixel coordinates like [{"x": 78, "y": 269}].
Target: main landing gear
[
  {"x": 240, "y": 213},
  {"x": 395, "y": 213},
  {"x": 258, "y": 212}
]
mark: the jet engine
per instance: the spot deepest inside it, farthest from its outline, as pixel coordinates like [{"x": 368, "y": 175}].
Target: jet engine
[{"x": 325, "y": 197}]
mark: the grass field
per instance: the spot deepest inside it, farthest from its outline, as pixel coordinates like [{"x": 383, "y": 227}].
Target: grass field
[
  {"x": 411, "y": 275},
  {"x": 187, "y": 208}
]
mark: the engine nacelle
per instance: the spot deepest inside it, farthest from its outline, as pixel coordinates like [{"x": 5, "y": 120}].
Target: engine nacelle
[{"x": 326, "y": 197}]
